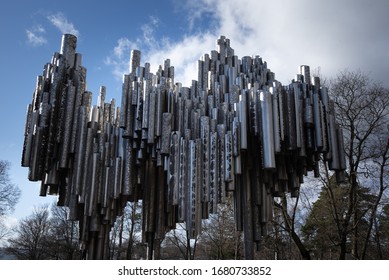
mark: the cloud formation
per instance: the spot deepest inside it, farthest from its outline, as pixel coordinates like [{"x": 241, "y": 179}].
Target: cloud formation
[
  {"x": 35, "y": 36},
  {"x": 332, "y": 35},
  {"x": 148, "y": 32},
  {"x": 329, "y": 35},
  {"x": 183, "y": 54},
  {"x": 61, "y": 22}
]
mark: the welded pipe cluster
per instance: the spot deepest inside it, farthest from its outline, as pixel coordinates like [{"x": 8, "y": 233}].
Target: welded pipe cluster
[{"x": 235, "y": 132}]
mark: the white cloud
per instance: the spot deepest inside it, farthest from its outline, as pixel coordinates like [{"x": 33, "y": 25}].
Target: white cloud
[
  {"x": 286, "y": 34},
  {"x": 148, "y": 29},
  {"x": 183, "y": 54},
  {"x": 120, "y": 56},
  {"x": 35, "y": 36},
  {"x": 8, "y": 221},
  {"x": 61, "y": 22},
  {"x": 123, "y": 46},
  {"x": 119, "y": 59},
  {"x": 195, "y": 11},
  {"x": 290, "y": 33}
]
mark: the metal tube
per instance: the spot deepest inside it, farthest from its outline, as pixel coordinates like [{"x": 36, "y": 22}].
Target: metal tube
[
  {"x": 125, "y": 101},
  {"x": 139, "y": 107},
  {"x": 282, "y": 115},
  {"x": 269, "y": 161},
  {"x": 276, "y": 120},
  {"x": 317, "y": 120},
  {"x": 213, "y": 172},
  {"x": 118, "y": 177},
  {"x": 68, "y": 48},
  {"x": 221, "y": 131},
  {"x": 323, "y": 127},
  {"x": 179, "y": 149},
  {"x": 166, "y": 131},
  {"x": 34, "y": 166},
  {"x": 159, "y": 110},
  {"x": 129, "y": 169},
  {"x": 146, "y": 100},
  {"x": 205, "y": 139},
  {"x": 228, "y": 165},
  {"x": 151, "y": 119},
  {"x": 183, "y": 183},
  {"x": 243, "y": 119},
  {"x": 134, "y": 61},
  {"x": 27, "y": 144},
  {"x": 198, "y": 189},
  {"x": 298, "y": 112},
  {"x": 68, "y": 121},
  {"x": 342, "y": 155},
  {"x": 76, "y": 122},
  {"x": 173, "y": 171},
  {"x": 291, "y": 119},
  {"x": 334, "y": 162},
  {"x": 191, "y": 194},
  {"x": 305, "y": 71}
]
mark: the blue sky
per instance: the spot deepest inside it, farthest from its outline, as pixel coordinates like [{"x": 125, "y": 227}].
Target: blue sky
[{"x": 332, "y": 35}]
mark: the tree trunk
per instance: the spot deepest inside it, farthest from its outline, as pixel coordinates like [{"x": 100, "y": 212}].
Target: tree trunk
[
  {"x": 289, "y": 224},
  {"x": 378, "y": 200},
  {"x": 120, "y": 237},
  {"x": 130, "y": 244}
]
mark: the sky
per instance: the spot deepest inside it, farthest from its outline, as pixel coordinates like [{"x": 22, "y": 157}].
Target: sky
[{"x": 329, "y": 35}]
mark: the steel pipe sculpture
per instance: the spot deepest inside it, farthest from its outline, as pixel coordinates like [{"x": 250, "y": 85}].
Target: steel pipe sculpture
[{"x": 181, "y": 150}]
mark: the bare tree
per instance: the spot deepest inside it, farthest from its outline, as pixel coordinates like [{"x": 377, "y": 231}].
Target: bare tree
[
  {"x": 220, "y": 236},
  {"x": 132, "y": 226},
  {"x": 31, "y": 236},
  {"x": 9, "y": 196},
  {"x": 379, "y": 171},
  {"x": 115, "y": 239},
  {"x": 381, "y": 237},
  {"x": 178, "y": 245},
  {"x": 363, "y": 112},
  {"x": 4, "y": 230},
  {"x": 63, "y": 235},
  {"x": 350, "y": 211},
  {"x": 9, "y": 193},
  {"x": 279, "y": 244},
  {"x": 289, "y": 223},
  {"x": 125, "y": 234}
]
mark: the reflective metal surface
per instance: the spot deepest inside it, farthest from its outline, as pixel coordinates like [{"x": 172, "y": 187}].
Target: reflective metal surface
[{"x": 180, "y": 150}]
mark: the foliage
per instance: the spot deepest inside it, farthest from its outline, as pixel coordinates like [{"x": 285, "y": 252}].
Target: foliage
[{"x": 322, "y": 230}]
